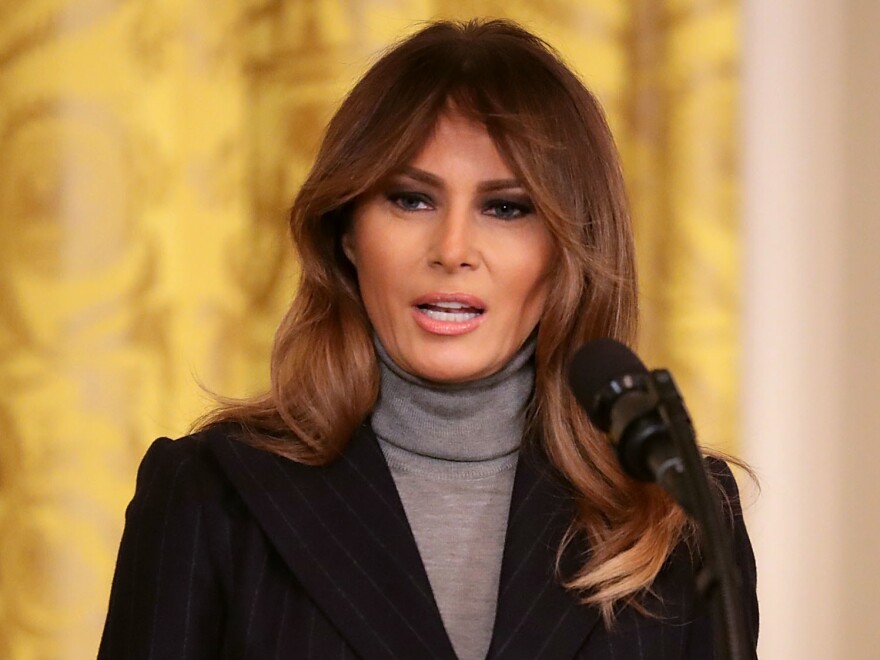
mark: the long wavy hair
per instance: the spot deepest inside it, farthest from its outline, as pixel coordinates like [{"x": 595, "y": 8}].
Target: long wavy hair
[{"x": 554, "y": 136}]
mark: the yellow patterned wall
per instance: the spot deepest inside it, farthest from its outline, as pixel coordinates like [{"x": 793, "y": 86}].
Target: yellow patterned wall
[{"x": 148, "y": 151}]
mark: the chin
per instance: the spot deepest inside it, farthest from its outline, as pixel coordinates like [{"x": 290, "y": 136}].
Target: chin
[{"x": 452, "y": 372}]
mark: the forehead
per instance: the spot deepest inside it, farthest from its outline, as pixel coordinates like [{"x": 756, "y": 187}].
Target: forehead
[{"x": 461, "y": 147}]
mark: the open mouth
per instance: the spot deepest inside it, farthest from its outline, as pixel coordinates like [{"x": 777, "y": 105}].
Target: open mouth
[{"x": 450, "y": 312}]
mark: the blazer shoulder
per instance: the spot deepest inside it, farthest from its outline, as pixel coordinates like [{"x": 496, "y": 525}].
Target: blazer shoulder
[
  {"x": 197, "y": 452},
  {"x": 168, "y": 588},
  {"x": 187, "y": 459},
  {"x": 731, "y": 503},
  {"x": 181, "y": 479},
  {"x": 720, "y": 473}
]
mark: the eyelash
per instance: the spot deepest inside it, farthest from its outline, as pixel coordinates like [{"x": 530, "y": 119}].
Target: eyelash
[
  {"x": 521, "y": 209},
  {"x": 398, "y": 196}
]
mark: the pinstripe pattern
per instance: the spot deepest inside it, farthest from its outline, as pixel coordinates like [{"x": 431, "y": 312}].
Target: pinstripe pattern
[
  {"x": 311, "y": 632},
  {"x": 230, "y": 552},
  {"x": 282, "y": 626},
  {"x": 535, "y": 626},
  {"x": 288, "y": 497},
  {"x": 163, "y": 554},
  {"x": 190, "y": 586}
]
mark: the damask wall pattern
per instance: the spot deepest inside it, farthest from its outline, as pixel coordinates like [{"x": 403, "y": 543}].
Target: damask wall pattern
[{"x": 149, "y": 150}]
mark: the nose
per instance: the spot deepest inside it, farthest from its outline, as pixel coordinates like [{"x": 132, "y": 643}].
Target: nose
[{"x": 454, "y": 242}]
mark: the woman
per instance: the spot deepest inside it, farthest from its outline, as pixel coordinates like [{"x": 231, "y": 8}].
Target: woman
[{"x": 419, "y": 482}]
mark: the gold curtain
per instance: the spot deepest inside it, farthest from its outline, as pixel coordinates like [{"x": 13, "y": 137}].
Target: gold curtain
[{"x": 148, "y": 152}]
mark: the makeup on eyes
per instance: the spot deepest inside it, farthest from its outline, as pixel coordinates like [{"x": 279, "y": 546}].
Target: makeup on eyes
[
  {"x": 514, "y": 205},
  {"x": 397, "y": 196},
  {"x": 521, "y": 206}
]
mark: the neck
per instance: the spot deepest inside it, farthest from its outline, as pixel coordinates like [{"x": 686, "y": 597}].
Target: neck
[{"x": 471, "y": 422}]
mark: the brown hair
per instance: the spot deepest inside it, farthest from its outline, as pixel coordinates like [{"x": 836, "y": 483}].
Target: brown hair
[{"x": 552, "y": 132}]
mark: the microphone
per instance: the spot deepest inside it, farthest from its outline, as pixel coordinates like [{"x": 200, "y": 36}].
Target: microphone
[
  {"x": 619, "y": 396},
  {"x": 643, "y": 413}
]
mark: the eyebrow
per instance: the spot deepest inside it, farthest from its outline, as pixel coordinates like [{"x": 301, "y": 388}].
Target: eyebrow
[{"x": 434, "y": 180}]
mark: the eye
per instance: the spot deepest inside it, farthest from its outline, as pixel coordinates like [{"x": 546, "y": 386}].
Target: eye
[
  {"x": 410, "y": 201},
  {"x": 507, "y": 209}
]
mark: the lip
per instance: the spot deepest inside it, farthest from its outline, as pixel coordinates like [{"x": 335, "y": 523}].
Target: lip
[
  {"x": 463, "y": 298},
  {"x": 437, "y": 327}
]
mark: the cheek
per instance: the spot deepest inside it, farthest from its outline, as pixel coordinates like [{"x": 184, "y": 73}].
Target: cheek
[
  {"x": 534, "y": 301},
  {"x": 374, "y": 277},
  {"x": 378, "y": 265},
  {"x": 534, "y": 274}
]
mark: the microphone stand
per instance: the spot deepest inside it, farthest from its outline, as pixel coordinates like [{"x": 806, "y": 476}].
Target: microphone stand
[{"x": 649, "y": 413}]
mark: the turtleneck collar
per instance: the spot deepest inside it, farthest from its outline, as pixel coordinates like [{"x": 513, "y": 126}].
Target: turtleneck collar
[{"x": 480, "y": 421}]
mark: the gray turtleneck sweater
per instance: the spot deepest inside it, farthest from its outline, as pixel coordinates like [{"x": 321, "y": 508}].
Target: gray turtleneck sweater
[{"x": 452, "y": 451}]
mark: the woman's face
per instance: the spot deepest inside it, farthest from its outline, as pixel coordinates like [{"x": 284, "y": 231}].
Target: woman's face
[{"x": 452, "y": 260}]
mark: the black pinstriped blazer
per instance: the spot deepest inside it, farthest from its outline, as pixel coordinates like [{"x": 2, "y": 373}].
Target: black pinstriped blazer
[{"x": 232, "y": 552}]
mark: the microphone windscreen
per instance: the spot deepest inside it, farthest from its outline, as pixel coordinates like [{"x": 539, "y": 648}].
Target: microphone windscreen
[{"x": 594, "y": 365}]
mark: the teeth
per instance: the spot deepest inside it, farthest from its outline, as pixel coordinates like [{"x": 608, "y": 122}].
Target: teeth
[
  {"x": 452, "y": 317},
  {"x": 449, "y": 305}
]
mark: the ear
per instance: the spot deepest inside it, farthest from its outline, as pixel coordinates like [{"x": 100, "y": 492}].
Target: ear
[{"x": 348, "y": 247}]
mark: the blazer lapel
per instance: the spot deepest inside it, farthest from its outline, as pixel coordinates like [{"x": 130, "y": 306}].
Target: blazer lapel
[
  {"x": 536, "y": 616},
  {"x": 343, "y": 531}
]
